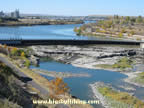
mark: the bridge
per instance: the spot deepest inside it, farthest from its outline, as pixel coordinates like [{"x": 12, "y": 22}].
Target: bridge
[{"x": 30, "y": 42}]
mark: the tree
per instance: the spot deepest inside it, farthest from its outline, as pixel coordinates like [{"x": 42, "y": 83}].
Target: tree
[
  {"x": 22, "y": 54},
  {"x": 109, "y": 23},
  {"x": 120, "y": 35},
  {"x": 75, "y": 29},
  {"x": 133, "y": 20},
  {"x": 58, "y": 87},
  {"x": 79, "y": 31},
  {"x": 14, "y": 51},
  {"x": 5, "y": 46},
  {"x": 116, "y": 17},
  {"x": 139, "y": 19},
  {"x": 132, "y": 32},
  {"x": 1, "y": 20},
  {"x": 123, "y": 30},
  {"x": 27, "y": 62},
  {"x": 127, "y": 18}
]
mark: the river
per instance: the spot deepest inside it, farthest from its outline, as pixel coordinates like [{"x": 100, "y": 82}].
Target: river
[
  {"x": 41, "y": 32},
  {"x": 80, "y": 86}
]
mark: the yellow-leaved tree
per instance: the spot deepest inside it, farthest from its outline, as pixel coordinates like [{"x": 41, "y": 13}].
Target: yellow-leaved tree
[
  {"x": 22, "y": 54},
  {"x": 14, "y": 51},
  {"x": 57, "y": 87}
]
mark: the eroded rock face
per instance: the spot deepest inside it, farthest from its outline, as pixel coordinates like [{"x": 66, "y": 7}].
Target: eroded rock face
[{"x": 88, "y": 56}]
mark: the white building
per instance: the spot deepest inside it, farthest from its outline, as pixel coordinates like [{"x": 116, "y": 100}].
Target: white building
[{"x": 15, "y": 14}]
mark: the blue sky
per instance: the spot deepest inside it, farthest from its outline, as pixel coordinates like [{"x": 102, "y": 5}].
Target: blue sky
[{"x": 75, "y": 7}]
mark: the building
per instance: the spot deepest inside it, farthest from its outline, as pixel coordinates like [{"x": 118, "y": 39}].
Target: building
[
  {"x": 2, "y": 14},
  {"x": 15, "y": 14}
]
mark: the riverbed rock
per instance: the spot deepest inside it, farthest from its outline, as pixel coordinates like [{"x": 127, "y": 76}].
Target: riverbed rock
[{"x": 89, "y": 56}]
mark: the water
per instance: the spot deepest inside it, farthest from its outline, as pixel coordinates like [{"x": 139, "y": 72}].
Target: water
[
  {"x": 80, "y": 86},
  {"x": 42, "y": 32}
]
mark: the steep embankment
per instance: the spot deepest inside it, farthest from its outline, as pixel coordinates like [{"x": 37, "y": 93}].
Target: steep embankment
[{"x": 12, "y": 92}]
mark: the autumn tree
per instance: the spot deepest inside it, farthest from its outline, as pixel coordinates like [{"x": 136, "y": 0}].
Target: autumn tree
[
  {"x": 14, "y": 51},
  {"x": 58, "y": 87},
  {"x": 75, "y": 29},
  {"x": 120, "y": 35},
  {"x": 22, "y": 54},
  {"x": 5, "y": 46}
]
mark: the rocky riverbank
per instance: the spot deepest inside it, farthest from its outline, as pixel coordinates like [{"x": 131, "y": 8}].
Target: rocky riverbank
[{"x": 89, "y": 56}]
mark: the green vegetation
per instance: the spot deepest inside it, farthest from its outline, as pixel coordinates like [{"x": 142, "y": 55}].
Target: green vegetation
[
  {"x": 77, "y": 30},
  {"x": 140, "y": 78},
  {"x": 117, "y": 27},
  {"x": 7, "y": 19},
  {"x": 27, "y": 62},
  {"x": 104, "y": 66},
  {"x": 16, "y": 53},
  {"x": 120, "y": 99},
  {"x": 122, "y": 64}
]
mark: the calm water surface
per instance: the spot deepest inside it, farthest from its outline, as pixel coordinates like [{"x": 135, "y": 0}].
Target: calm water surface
[
  {"x": 42, "y": 32},
  {"x": 80, "y": 86}
]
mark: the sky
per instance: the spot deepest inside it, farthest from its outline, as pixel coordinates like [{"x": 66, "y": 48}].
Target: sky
[{"x": 75, "y": 7}]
